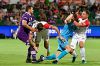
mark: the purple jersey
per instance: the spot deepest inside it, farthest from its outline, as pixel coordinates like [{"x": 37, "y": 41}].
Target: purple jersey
[{"x": 23, "y": 33}]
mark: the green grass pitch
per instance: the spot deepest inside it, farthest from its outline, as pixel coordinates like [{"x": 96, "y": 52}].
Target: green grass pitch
[{"x": 13, "y": 53}]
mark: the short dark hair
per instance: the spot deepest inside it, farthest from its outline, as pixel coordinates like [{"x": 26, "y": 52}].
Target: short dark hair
[
  {"x": 28, "y": 7},
  {"x": 40, "y": 26},
  {"x": 87, "y": 12}
]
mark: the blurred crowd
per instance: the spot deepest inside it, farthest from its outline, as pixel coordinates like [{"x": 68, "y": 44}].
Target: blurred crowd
[{"x": 53, "y": 12}]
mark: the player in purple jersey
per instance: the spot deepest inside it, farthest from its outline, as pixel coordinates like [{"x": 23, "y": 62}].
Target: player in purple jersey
[{"x": 25, "y": 33}]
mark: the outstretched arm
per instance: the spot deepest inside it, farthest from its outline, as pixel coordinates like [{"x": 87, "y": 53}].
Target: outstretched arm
[
  {"x": 84, "y": 24},
  {"x": 68, "y": 18},
  {"x": 56, "y": 29},
  {"x": 47, "y": 26}
]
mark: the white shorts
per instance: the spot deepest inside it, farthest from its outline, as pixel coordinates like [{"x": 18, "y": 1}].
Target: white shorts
[
  {"x": 42, "y": 35},
  {"x": 76, "y": 39}
]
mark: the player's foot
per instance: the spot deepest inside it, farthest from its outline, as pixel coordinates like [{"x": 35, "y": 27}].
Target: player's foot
[
  {"x": 73, "y": 59},
  {"x": 84, "y": 62},
  {"x": 55, "y": 62},
  {"x": 34, "y": 61},
  {"x": 41, "y": 58},
  {"x": 28, "y": 60}
]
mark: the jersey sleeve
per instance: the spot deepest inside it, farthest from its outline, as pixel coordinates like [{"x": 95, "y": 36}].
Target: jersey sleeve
[
  {"x": 25, "y": 18},
  {"x": 47, "y": 26},
  {"x": 86, "y": 23}
]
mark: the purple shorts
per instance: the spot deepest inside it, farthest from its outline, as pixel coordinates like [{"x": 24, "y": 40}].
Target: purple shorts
[{"x": 23, "y": 37}]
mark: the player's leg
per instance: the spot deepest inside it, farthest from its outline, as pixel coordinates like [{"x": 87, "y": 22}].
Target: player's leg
[
  {"x": 25, "y": 39},
  {"x": 73, "y": 46},
  {"x": 46, "y": 45},
  {"x": 66, "y": 49},
  {"x": 45, "y": 36},
  {"x": 62, "y": 47},
  {"x": 53, "y": 56},
  {"x": 82, "y": 51},
  {"x": 28, "y": 60},
  {"x": 74, "y": 55},
  {"x": 38, "y": 39},
  {"x": 62, "y": 54},
  {"x": 33, "y": 47},
  {"x": 33, "y": 54},
  {"x": 50, "y": 57}
]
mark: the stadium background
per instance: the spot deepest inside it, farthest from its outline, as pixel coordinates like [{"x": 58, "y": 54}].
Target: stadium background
[
  {"x": 13, "y": 51},
  {"x": 52, "y": 11}
]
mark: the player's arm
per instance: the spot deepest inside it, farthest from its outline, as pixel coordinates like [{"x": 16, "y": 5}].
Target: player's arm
[
  {"x": 68, "y": 18},
  {"x": 59, "y": 36},
  {"x": 85, "y": 24},
  {"x": 47, "y": 26},
  {"x": 24, "y": 23},
  {"x": 56, "y": 29}
]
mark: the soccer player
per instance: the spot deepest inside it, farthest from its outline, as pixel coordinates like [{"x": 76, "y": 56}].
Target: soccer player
[
  {"x": 79, "y": 35},
  {"x": 63, "y": 47},
  {"x": 42, "y": 33},
  {"x": 25, "y": 33}
]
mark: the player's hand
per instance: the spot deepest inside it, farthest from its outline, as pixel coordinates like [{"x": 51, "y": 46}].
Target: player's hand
[
  {"x": 33, "y": 29},
  {"x": 61, "y": 38}
]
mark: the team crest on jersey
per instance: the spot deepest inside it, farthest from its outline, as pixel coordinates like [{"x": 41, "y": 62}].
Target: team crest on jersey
[{"x": 30, "y": 19}]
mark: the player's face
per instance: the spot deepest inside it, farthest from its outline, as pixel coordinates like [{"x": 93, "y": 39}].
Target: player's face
[
  {"x": 31, "y": 10},
  {"x": 84, "y": 15}
]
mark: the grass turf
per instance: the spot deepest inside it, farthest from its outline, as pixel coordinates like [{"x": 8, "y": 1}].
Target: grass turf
[{"x": 13, "y": 53}]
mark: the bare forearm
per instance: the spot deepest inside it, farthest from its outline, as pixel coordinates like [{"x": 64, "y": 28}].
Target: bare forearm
[
  {"x": 24, "y": 23},
  {"x": 56, "y": 29},
  {"x": 30, "y": 39},
  {"x": 69, "y": 18},
  {"x": 27, "y": 26}
]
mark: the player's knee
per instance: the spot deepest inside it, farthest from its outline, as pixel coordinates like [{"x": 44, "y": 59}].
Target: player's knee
[
  {"x": 68, "y": 48},
  {"x": 81, "y": 44},
  {"x": 46, "y": 45},
  {"x": 71, "y": 51}
]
